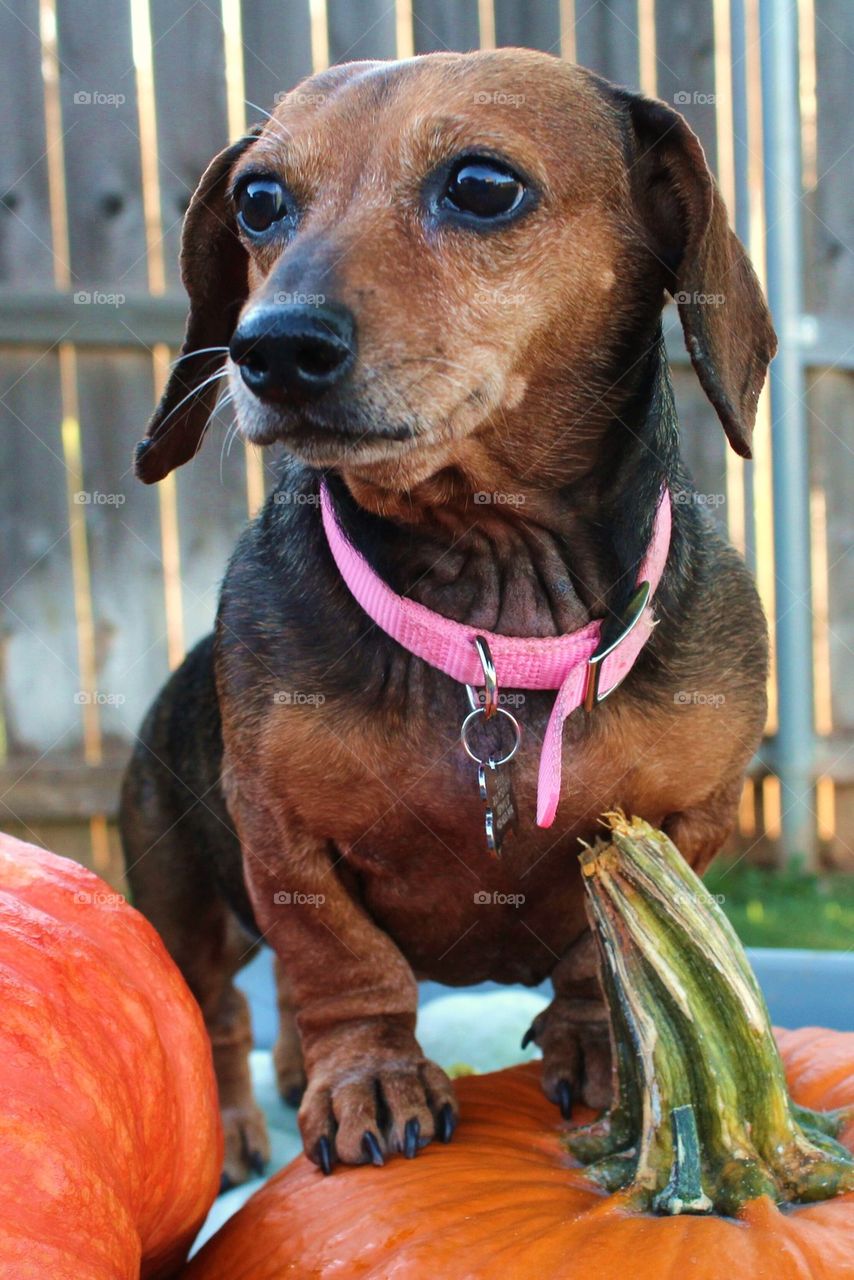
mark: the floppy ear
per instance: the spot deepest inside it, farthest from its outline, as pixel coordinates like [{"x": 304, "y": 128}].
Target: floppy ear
[
  {"x": 214, "y": 271},
  {"x": 727, "y": 326}
]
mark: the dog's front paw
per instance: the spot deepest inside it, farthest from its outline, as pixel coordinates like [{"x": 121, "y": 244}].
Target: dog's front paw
[
  {"x": 360, "y": 1109},
  {"x": 574, "y": 1038},
  {"x": 247, "y": 1146}
]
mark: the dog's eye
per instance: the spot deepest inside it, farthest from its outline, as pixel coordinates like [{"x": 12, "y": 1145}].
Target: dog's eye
[
  {"x": 483, "y": 189},
  {"x": 260, "y": 203}
]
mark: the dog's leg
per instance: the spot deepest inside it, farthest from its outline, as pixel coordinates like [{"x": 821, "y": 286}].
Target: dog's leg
[
  {"x": 172, "y": 886},
  {"x": 371, "y": 1091},
  {"x": 287, "y": 1053},
  {"x": 573, "y": 1030},
  {"x": 226, "y": 1013},
  {"x": 209, "y": 946},
  {"x": 700, "y": 832},
  {"x": 180, "y": 851}
]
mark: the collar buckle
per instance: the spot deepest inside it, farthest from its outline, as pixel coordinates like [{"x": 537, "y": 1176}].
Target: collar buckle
[{"x": 626, "y": 621}]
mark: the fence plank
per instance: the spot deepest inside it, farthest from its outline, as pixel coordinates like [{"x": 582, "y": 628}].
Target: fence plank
[
  {"x": 607, "y": 40},
  {"x": 103, "y": 175},
  {"x": 829, "y": 289},
  {"x": 445, "y": 24},
  {"x": 829, "y": 216},
  {"x": 189, "y": 69},
  {"x": 109, "y": 256},
  {"x": 276, "y": 50},
  {"x": 212, "y": 509},
  {"x": 829, "y": 285},
  {"x": 122, "y": 523},
  {"x": 832, "y": 463},
  {"x": 686, "y": 80},
  {"x": 37, "y": 623},
  {"x": 361, "y": 29},
  {"x": 702, "y": 444},
  {"x": 535, "y": 24},
  {"x": 685, "y": 66},
  {"x": 40, "y": 677},
  {"x": 25, "y": 234}
]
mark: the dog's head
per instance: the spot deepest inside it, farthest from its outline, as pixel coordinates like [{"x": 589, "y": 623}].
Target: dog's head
[{"x": 417, "y": 266}]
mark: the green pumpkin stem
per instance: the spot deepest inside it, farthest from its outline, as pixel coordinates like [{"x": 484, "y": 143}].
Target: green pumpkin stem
[
  {"x": 702, "y": 1119},
  {"x": 684, "y": 1190}
]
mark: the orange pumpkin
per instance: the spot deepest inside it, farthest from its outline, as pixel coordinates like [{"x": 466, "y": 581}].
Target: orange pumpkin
[
  {"x": 110, "y": 1149},
  {"x": 702, "y": 1144},
  {"x": 506, "y": 1201}
]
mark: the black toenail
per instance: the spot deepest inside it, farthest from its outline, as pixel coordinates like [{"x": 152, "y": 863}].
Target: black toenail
[
  {"x": 324, "y": 1155},
  {"x": 446, "y": 1123},
  {"x": 372, "y": 1149},
  {"x": 411, "y": 1134}
]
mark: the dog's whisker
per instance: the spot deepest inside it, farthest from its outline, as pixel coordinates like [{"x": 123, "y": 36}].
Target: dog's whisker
[
  {"x": 224, "y": 402},
  {"x": 255, "y": 107},
  {"x": 284, "y": 134},
  {"x": 232, "y": 435},
  {"x": 214, "y": 377},
  {"x": 198, "y": 351},
  {"x": 225, "y": 447}
]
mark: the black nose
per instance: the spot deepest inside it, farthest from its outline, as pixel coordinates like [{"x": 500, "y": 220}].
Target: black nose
[{"x": 294, "y": 353}]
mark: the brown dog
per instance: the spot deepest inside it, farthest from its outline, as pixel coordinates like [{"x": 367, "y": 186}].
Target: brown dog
[{"x": 436, "y": 280}]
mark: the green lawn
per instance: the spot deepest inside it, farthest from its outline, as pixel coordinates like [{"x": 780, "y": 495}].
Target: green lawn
[{"x": 789, "y": 908}]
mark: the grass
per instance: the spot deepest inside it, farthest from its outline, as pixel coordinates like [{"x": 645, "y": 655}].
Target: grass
[{"x": 786, "y": 908}]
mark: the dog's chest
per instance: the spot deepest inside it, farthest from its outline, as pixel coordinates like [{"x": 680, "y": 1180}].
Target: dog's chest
[{"x": 400, "y": 798}]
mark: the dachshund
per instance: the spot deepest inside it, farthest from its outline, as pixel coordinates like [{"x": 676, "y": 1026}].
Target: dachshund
[{"x": 439, "y": 284}]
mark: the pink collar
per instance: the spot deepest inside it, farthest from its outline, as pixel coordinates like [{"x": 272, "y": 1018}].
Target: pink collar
[{"x": 577, "y": 665}]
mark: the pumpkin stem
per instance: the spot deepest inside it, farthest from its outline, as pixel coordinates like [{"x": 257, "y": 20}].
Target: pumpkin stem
[
  {"x": 684, "y": 1191},
  {"x": 702, "y": 1120}
]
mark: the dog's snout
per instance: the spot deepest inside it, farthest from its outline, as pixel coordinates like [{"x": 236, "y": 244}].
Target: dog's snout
[{"x": 294, "y": 353}]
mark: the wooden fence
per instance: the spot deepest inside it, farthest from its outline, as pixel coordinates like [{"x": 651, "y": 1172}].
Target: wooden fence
[{"x": 111, "y": 110}]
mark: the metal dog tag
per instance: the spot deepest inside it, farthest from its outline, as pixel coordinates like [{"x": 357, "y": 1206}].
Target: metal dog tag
[
  {"x": 493, "y": 780},
  {"x": 496, "y": 792}
]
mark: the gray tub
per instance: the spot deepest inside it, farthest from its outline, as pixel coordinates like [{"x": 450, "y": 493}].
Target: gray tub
[{"x": 803, "y": 988}]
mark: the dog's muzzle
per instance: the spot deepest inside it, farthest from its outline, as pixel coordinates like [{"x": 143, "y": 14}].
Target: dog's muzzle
[{"x": 295, "y": 353}]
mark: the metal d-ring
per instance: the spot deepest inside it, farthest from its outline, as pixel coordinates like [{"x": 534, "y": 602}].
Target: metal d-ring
[
  {"x": 627, "y": 622},
  {"x": 466, "y": 728},
  {"x": 490, "y": 682}
]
